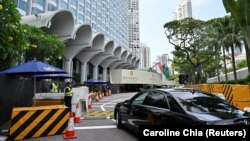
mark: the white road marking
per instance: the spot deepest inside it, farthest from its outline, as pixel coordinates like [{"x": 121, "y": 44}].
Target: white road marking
[
  {"x": 114, "y": 120},
  {"x": 95, "y": 127},
  {"x": 102, "y": 106}
]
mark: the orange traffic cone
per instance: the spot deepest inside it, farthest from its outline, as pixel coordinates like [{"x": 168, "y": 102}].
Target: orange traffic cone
[
  {"x": 90, "y": 101},
  {"x": 70, "y": 132},
  {"x": 77, "y": 118}
]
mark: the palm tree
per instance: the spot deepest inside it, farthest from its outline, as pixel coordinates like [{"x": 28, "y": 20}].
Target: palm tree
[
  {"x": 232, "y": 40},
  {"x": 213, "y": 39},
  {"x": 240, "y": 12},
  {"x": 220, "y": 26}
]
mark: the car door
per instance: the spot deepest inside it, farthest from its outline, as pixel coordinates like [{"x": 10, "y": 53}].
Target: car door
[
  {"x": 155, "y": 106},
  {"x": 176, "y": 115},
  {"x": 132, "y": 111}
]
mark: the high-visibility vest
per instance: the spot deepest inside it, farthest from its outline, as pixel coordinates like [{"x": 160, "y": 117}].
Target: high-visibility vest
[
  {"x": 54, "y": 88},
  {"x": 68, "y": 91}
]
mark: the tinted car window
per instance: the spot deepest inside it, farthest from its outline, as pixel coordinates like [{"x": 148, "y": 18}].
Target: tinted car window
[
  {"x": 156, "y": 99},
  {"x": 174, "y": 105},
  {"x": 199, "y": 102},
  {"x": 139, "y": 98}
]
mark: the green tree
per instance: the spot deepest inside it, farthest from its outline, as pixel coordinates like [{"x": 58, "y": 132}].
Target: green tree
[
  {"x": 240, "y": 11},
  {"x": 187, "y": 36},
  {"x": 12, "y": 36},
  {"x": 241, "y": 64},
  {"x": 42, "y": 45}
]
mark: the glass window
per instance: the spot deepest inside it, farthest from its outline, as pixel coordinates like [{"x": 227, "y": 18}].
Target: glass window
[
  {"x": 156, "y": 99},
  {"x": 94, "y": 10},
  {"x": 81, "y": 17},
  {"x": 22, "y": 5},
  {"x": 88, "y": 14},
  {"x": 41, "y": 2},
  {"x": 81, "y": 8},
  {"x": 51, "y": 7},
  {"x": 64, "y": 4},
  {"x": 82, "y": 1},
  {"x": 199, "y": 102},
  {"x": 73, "y": 11},
  {"x": 74, "y": 2},
  {"x": 88, "y": 5},
  {"x": 93, "y": 18},
  {"x": 139, "y": 98},
  {"x": 174, "y": 105}
]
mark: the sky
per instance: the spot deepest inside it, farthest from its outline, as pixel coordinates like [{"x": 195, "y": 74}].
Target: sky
[{"x": 155, "y": 13}]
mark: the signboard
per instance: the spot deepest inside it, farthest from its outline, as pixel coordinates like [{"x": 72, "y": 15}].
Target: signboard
[{"x": 122, "y": 76}]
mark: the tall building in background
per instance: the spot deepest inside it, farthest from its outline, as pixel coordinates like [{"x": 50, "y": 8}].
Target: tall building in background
[
  {"x": 145, "y": 56},
  {"x": 183, "y": 10},
  {"x": 105, "y": 16},
  {"x": 134, "y": 30}
]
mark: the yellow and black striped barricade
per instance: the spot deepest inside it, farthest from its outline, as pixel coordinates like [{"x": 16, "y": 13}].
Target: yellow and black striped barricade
[
  {"x": 241, "y": 96},
  {"x": 31, "y": 122}
]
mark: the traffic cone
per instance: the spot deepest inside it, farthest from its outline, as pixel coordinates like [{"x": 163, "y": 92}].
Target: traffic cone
[
  {"x": 70, "y": 132},
  {"x": 77, "y": 118},
  {"x": 97, "y": 98},
  {"x": 90, "y": 101}
]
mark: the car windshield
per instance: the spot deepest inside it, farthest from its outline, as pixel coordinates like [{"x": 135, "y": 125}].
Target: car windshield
[{"x": 199, "y": 102}]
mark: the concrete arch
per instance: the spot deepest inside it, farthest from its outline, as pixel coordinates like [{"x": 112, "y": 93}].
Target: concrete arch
[
  {"x": 88, "y": 53},
  {"x": 82, "y": 36},
  {"x": 123, "y": 59},
  {"x": 117, "y": 56},
  {"x": 108, "y": 52},
  {"x": 118, "y": 52},
  {"x": 137, "y": 63},
  {"x": 59, "y": 23},
  {"x": 97, "y": 42},
  {"x": 122, "y": 66},
  {"x": 124, "y": 55},
  {"x": 133, "y": 61},
  {"x": 97, "y": 59},
  {"x": 109, "y": 47},
  {"x": 129, "y": 59}
]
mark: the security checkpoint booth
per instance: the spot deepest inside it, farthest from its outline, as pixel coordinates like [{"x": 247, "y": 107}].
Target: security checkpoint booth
[{"x": 32, "y": 113}]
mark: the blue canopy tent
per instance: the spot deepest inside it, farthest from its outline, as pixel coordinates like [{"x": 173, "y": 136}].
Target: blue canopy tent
[
  {"x": 31, "y": 69},
  {"x": 47, "y": 76}
]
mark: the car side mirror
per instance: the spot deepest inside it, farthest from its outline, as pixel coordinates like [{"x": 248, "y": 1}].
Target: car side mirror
[{"x": 127, "y": 102}]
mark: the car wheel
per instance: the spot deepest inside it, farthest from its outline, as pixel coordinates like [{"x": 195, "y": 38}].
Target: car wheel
[{"x": 118, "y": 120}]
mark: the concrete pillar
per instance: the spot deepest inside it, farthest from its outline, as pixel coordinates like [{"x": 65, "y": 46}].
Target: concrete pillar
[
  {"x": 83, "y": 72},
  {"x": 67, "y": 65},
  {"x": 95, "y": 72},
  {"x": 104, "y": 74},
  {"x": 71, "y": 68}
]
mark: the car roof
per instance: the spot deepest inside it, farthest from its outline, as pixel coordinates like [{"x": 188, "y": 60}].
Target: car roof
[{"x": 177, "y": 89}]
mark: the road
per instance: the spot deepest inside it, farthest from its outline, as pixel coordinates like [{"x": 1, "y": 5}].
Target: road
[{"x": 100, "y": 125}]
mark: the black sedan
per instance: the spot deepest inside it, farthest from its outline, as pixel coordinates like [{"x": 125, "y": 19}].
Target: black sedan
[{"x": 177, "y": 107}]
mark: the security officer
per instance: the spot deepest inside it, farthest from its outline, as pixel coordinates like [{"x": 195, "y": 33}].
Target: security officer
[
  {"x": 68, "y": 95},
  {"x": 54, "y": 87}
]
